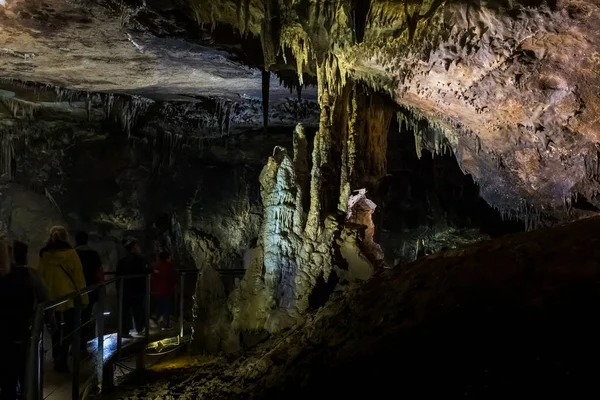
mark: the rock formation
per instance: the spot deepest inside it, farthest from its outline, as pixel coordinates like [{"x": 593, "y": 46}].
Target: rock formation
[
  {"x": 148, "y": 98},
  {"x": 303, "y": 244},
  {"x": 509, "y": 87}
]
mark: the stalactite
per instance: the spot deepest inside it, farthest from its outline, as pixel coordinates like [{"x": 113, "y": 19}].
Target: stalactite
[
  {"x": 223, "y": 115},
  {"x": 361, "y": 12},
  {"x": 531, "y": 216},
  {"x": 131, "y": 108},
  {"x": 269, "y": 36},
  {"x": 238, "y": 7},
  {"x": 379, "y": 115},
  {"x": 429, "y": 134},
  {"x": 88, "y": 106},
  {"x": 297, "y": 40},
  {"x": 109, "y": 100},
  {"x": 6, "y": 154},
  {"x": 266, "y": 83},
  {"x": 123, "y": 109},
  {"x": 20, "y": 108},
  {"x": 246, "y": 15}
]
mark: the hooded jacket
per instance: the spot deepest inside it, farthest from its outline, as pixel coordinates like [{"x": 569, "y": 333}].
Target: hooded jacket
[{"x": 61, "y": 271}]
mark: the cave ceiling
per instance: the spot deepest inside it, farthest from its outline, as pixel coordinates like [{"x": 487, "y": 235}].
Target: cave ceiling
[
  {"x": 156, "y": 51},
  {"x": 512, "y": 87}
]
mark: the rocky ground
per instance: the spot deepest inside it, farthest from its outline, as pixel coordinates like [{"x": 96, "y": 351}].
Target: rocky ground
[{"x": 516, "y": 315}]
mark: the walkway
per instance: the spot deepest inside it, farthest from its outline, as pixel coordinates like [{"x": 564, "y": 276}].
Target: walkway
[{"x": 58, "y": 386}]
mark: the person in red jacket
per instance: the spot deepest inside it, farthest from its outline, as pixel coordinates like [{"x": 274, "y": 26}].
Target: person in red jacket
[{"x": 164, "y": 281}]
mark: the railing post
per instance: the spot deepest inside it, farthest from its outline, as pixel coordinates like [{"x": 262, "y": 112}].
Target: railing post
[
  {"x": 34, "y": 386},
  {"x": 40, "y": 359},
  {"x": 119, "y": 317},
  {"x": 181, "y": 308},
  {"x": 100, "y": 336},
  {"x": 75, "y": 347}
]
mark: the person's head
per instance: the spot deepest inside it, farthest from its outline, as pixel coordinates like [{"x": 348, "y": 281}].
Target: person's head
[
  {"x": 131, "y": 245},
  {"x": 58, "y": 234},
  {"x": 5, "y": 259},
  {"x": 20, "y": 251},
  {"x": 81, "y": 238},
  {"x": 164, "y": 256}
]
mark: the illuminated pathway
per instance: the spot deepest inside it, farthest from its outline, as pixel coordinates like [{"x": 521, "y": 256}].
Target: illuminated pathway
[{"x": 58, "y": 386}]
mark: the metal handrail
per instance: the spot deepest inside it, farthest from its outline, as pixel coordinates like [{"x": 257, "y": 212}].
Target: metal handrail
[
  {"x": 87, "y": 290},
  {"x": 34, "y": 379}
]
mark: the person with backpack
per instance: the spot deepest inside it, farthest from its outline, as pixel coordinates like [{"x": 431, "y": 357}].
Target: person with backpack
[
  {"x": 62, "y": 272},
  {"x": 164, "y": 281},
  {"x": 21, "y": 290},
  {"x": 93, "y": 271}
]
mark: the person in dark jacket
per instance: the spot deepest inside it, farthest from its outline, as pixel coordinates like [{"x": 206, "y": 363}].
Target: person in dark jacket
[
  {"x": 93, "y": 272},
  {"x": 134, "y": 289},
  {"x": 21, "y": 290},
  {"x": 164, "y": 281}
]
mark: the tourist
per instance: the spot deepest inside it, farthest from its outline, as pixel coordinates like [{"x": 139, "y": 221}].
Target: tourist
[
  {"x": 21, "y": 290},
  {"x": 94, "y": 274},
  {"x": 163, "y": 288},
  {"x": 134, "y": 289},
  {"x": 61, "y": 271}
]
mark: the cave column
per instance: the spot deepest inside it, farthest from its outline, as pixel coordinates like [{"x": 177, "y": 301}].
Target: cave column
[
  {"x": 349, "y": 150},
  {"x": 319, "y": 157}
]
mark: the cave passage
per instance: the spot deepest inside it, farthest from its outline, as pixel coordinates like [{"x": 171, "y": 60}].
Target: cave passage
[{"x": 427, "y": 204}]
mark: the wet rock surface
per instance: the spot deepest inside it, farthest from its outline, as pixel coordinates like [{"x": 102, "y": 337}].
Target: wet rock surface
[{"x": 504, "y": 316}]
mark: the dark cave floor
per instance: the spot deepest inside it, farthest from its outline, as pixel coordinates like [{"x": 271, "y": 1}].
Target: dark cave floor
[{"x": 511, "y": 316}]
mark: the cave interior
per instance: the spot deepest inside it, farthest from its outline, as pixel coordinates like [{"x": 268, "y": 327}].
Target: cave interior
[{"x": 370, "y": 190}]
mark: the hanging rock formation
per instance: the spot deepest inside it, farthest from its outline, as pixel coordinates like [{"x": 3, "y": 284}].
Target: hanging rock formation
[{"x": 510, "y": 87}]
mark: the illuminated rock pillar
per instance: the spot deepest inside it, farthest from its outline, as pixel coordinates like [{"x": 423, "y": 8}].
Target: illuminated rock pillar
[{"x": 305, "y": 222}]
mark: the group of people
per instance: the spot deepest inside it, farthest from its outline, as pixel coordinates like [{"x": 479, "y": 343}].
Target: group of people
[
  {"x": 64, "y": 269},
  {"x": 163, "y": 283}
]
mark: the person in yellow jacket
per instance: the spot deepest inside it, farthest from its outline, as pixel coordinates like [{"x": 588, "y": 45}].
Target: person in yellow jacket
[{"x": 61, "y": 271}]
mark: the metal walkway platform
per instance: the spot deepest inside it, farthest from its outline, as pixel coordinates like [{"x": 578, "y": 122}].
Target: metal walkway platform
[
  {"x": 94, "y": 370},
  {"x": 59, "y": 386}
]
